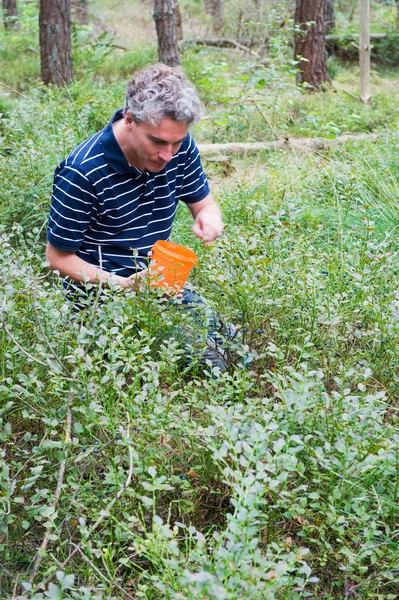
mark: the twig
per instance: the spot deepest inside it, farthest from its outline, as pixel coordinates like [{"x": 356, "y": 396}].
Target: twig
[
  {"x": 12, "y": 338},
  {"x": 43, "y": 332},
  {"x": 93, "y": 566},
  {"x": 58, "y": 490},
  {"x": 14, "y": 591},
  {"x": 341, "y": 89},
  {"x": 265, "y": 118},
  {"x": 6, "y": 571},
  {"x": 100, "y": 283},
  {"x": 101, "y": 518}
]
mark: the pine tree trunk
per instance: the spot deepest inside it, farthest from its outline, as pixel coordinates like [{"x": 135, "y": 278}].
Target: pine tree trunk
[
  {"x": 214, "y": 8},
  {"x": 80, "y": 10},
  {"x": 329, "y": 16},
  {"x": 165, "y": 22},
  {"x": 365, "y": 51},
  {"x": 10, "y": 14},
  {"x": 310, "y": 43},
  {"x": 179, "y": 21},
  {"x": 55, "y": 42}
]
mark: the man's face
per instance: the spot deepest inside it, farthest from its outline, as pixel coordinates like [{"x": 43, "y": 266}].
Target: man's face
[{"x": 151, "y": 147}]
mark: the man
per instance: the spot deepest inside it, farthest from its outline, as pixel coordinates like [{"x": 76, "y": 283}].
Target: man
[{"x": 117, "y": 193}]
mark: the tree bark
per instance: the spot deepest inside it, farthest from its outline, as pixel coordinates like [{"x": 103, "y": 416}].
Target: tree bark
[
  {"x": 283, "y": 144},
  {"x": 179, "y": 21},
  {"x": 166, "y": 26},
  {"x": 10, "y": 14},
  {"x": 329, "y": 16},
  {"x": 80, "y": 10},
  {"x": 310, "y": 43},
  {"x": 365, "y": 51},
  {"x": 214, "y": 8},
  {"x": 55, "y": 42}
]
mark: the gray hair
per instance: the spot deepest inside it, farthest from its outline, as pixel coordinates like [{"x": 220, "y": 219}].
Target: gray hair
[{"x": 158, "y": 92}]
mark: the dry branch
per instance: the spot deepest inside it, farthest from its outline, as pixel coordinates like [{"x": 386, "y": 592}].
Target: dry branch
[
  {"x": 60, "y": 481},
  {"x": 221, "y": 43},
  {"x": 336, "y": 39},
  {"x": 285, "y": 144},
  {"x": 103, "y": 514}
]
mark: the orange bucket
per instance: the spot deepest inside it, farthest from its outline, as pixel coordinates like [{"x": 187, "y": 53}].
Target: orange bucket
[{"x": 170, "y": 264}]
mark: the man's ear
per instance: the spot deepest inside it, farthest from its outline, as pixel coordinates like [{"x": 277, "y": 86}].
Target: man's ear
[{"x": 128, "y": 121}]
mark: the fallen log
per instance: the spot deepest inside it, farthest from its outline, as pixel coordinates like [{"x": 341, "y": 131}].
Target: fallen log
[
  {"x": 336, "y": 38},
  {"x": 384, "y": 47},
  {"x": 284, "y": 144},
  {"x": 220, "y": 43}
]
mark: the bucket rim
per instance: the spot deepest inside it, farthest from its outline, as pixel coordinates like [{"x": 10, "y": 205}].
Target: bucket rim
[{"x": 175, "y": 251}]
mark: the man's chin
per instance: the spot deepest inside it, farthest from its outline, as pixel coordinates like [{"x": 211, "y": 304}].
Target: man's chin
[{"x": 155, "y": 168}]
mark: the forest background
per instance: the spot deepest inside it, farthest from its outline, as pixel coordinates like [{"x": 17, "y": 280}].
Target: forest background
[{"x": 125, "y": 474}]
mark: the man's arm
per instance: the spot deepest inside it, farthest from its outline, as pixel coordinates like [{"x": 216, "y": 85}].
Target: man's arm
[
  {"x": 70, "y": 265},
  {"x": 208, "y": 220}
]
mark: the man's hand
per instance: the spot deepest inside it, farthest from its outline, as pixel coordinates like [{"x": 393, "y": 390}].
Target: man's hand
[
  {"x": 70, "y": 265},
  {"x": 208, "y": 221},
  {"x": 134, "y": 282}
]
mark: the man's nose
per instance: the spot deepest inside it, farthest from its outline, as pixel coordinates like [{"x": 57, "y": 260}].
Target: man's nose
[{"x": 166, "y": 153}]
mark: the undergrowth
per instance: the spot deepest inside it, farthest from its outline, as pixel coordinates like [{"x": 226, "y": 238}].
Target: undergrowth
[{"x": 125, "y": 472}]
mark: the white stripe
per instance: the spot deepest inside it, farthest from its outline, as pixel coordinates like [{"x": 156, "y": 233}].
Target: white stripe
[
  {"x": 64, "y": 238},
  {"x": 105, "y": 177},
  {"x": 63, "y": 217},
  {"x": 96, "y": 169},
  {"x": 191, "y": 174},
  {"x": 106, "y": 242},
  {"x": 75, "y": 171},
  {"x": 193, "y": 191},
  {"x": 84, "y": 144},
  {"x": 69, "y": 196},
  {"x": 75, "y": 210},
  {"x": 164, "y": 207},
  {"x": 89, "y": 150},
  {"x": 117, "y": 185},
  {"x": 124, "y": 224},
  {"x": 91, "y": 158},
  {"x": 190, "y": 184},
  {"x": 66, "y": 228},
  {"x": 166, "y": 172},
  {"x": 126, "y": 214},
  {"x": 164, "y": 219},
  {"x": 156, "y": 198},
  {"x": 158, "y": 187},
  {"x": 188, "y": 165}
]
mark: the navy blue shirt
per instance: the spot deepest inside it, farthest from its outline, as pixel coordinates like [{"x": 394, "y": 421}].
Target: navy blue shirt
[{"x": 110, "y": 213}]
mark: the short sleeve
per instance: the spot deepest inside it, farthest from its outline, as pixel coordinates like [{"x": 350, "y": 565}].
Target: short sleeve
[
  {"x": 195, "y": 185},
  {"x": 71, "y": 208}
]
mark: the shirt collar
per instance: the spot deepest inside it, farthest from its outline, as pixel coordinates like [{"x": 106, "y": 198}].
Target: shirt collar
[{"x": 113, "y": 152}]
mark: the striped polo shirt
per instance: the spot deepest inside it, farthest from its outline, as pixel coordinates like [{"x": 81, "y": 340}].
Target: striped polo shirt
[{"x": 111, "y": 213}]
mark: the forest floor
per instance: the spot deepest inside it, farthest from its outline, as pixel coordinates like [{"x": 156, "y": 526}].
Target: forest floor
[{"x": 150, "y": 478}]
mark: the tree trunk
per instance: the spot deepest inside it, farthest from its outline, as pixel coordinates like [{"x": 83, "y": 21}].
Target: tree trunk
[
  {"x": 214, "y": 8},
  {"x": 80, "y": 9},
  {"x": 310, "y": 43},
  {"x": 166, "y": 26},
  {"x": 329, "y": 16},
  {"x": 179, "y": 21},
  {"x": 55, "y": 42},
  {"x": 10, "y": 14},
  {"x": 365, "y": 51}
]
